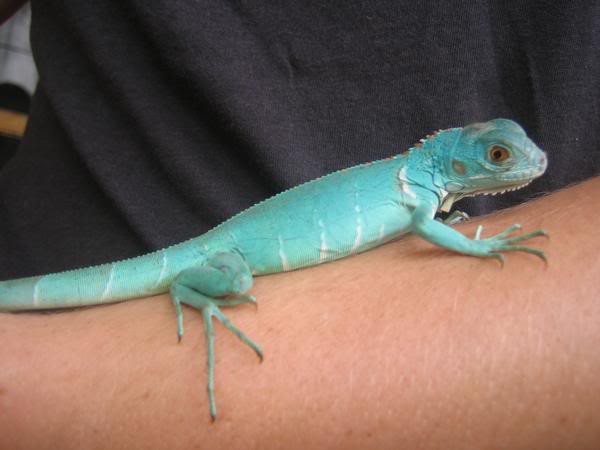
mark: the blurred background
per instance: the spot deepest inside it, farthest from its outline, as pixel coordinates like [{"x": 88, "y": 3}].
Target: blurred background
[{"x": 18, "y": 78}]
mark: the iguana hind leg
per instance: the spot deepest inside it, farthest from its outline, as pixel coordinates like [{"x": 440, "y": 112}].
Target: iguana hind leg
[{"x": 223, "y": 274}]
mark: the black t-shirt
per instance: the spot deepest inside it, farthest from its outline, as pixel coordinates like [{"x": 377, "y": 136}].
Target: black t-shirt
[{"x": 156, "y": 120}]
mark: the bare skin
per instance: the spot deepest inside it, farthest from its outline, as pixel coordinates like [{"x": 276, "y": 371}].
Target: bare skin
[{"x": 406, "y": 346}]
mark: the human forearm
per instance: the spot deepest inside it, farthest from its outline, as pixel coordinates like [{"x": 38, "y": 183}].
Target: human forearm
[{"x": 406, "y": 346}]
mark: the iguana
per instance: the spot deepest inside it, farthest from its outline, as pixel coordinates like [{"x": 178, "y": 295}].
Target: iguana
[{"x": 340, "y": 214}]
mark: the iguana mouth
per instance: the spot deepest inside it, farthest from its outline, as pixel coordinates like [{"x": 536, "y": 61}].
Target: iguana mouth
[
  {"x": 502, "y": 190},
  {"x": 451, "y": 198}
]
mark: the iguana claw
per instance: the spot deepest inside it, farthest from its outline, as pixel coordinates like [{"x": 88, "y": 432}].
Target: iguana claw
[{"x": 502, "y": 242}]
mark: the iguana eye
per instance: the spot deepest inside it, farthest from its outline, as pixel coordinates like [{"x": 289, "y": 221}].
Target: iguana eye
[{"x": 498, "y": 154}]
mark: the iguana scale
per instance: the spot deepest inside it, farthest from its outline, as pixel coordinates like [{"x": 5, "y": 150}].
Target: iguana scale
[{"x": 340, "y": 214}]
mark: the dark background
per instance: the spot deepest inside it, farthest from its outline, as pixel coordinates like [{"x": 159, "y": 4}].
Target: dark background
[{"x": 156, "y": 120}]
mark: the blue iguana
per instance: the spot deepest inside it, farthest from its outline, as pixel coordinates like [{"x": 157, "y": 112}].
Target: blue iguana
[{"x": 340, "y": 214}]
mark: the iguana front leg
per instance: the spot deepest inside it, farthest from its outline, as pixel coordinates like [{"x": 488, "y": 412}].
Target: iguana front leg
[
  {"x": 223, "y": 274},
  {"x": 444, "y": 236}
]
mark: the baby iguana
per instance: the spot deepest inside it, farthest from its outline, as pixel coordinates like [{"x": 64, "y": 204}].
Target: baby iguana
[{"x": 340, "y": 214}]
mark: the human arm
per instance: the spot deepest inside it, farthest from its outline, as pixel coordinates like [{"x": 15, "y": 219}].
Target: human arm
[{"x": 406, "y": 346}]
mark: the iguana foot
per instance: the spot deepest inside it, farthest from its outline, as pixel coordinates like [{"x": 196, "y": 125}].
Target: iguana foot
[
  {"x": 492, "y": 246},
  {"x": 224, "y": 274},
  {"x": 456, "y": 217},
  {"x": 237, "y": 299}
]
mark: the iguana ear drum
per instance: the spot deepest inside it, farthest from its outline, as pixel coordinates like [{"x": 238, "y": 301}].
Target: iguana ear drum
[{"x": 458, "y": 167}]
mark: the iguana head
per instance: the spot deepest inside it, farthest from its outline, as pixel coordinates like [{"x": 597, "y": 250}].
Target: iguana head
[{"x": 488, "y": 158}]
